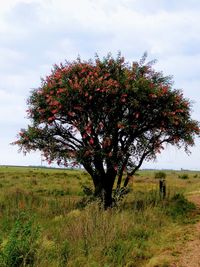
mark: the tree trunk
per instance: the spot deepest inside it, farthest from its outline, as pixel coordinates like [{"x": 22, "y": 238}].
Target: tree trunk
[
  {"x": 103, "y": 189},
  {"x": 108, "y": 200}
]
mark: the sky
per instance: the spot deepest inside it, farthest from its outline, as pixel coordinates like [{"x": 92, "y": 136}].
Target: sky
[{"x": 36, "y": 34}]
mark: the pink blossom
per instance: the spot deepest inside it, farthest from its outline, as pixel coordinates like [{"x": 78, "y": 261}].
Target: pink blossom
[
  {"x": 91, "y": 141},
  {"x": 115, "y": 167}
]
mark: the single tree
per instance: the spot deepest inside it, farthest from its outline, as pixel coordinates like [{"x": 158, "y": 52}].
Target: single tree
[{"x": 107, "y": 115}]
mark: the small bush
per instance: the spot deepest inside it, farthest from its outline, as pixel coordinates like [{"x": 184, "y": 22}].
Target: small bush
[
  {"x": 119, "y": 194},
  {"x": 183, "y": 176},
  {"x": 21, "y": 246},
  {"x": 160, "y": 175},
  {"x": 179, "y": 207},
  {"x": 87, "y": 190},
  {"x": 59, "y": 193},
  {"x": 64, "y": 254}
]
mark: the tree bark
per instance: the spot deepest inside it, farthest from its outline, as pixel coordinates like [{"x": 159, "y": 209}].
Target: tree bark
[{"x": 103, "y": 189}]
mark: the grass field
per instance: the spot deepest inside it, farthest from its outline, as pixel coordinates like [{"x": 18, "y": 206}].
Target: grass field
[{"x": 44, "y": 221}]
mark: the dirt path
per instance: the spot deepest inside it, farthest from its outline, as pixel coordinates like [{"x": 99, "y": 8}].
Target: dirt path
[{"x": 190, "y": 256}]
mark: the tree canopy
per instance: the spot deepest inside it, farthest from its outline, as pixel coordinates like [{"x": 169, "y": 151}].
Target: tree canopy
[{"x": 107, "y": 115}]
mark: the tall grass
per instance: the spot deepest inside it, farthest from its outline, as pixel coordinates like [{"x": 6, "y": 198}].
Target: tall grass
[{"x": 138, "y": 232}]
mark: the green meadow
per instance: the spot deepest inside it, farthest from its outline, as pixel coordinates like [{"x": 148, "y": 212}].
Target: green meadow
[{"x": 47, "y": 219}]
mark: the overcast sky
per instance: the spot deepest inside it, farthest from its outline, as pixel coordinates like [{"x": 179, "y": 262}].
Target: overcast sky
[{"x": 35, "y": 34}]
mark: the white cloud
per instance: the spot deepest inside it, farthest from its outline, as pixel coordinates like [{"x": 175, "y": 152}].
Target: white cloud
[
  {"x": 35, "y": 34},
  {"x": 19, "y": 84},
  {"x": 10, "y": 58},
  {"x": 12, "y": 108}
]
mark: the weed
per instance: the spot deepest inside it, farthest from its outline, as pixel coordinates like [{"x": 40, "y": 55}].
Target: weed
[
  {"x": 179, "y": 207},
  {"x": 88, "y": 191},
  {"x": 21, "y": 246},
  {"x": 34, "y": 181},
  {"x": 64, "y": 254},
  {"x": 61, "y": 192},
  {"x": 117, "y": 252}
]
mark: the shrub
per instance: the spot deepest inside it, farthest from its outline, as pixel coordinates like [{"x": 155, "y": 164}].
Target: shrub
[
  {"x": 160, "y": 175},
  {"x": 183, "y": 176},
  {"x": 21, "y": 246},
  {"x": 179, "y": 207}
]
